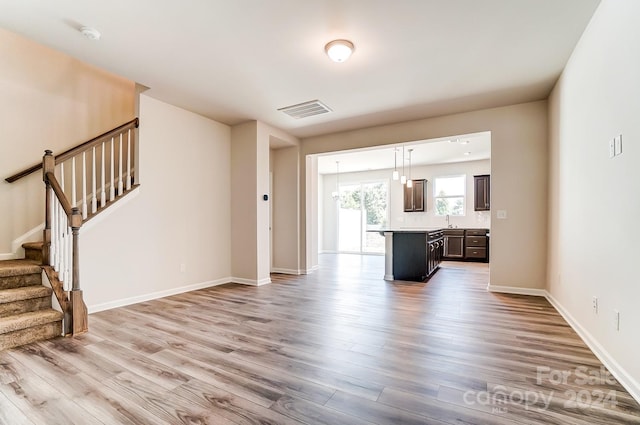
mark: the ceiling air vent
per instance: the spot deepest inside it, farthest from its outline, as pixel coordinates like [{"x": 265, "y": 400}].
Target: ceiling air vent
[{"x": 306, "y": 109}]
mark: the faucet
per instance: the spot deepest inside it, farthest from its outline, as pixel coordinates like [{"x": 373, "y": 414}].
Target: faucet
[{"x": 449, "y": 225}]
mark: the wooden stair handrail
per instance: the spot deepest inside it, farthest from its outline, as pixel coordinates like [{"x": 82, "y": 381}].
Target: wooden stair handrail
[
  {"x": 51, "y": 179},
  {"x": 134, "y": 123}
]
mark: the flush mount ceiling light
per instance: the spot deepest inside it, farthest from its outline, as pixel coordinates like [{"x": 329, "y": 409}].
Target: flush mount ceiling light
[
  {"x": 90, "y": 33},
  {"x": 339, "y": 50}
]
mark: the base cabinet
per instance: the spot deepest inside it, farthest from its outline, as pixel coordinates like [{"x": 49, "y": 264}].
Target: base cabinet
[
  {"x": 416, "y": 255},
  {"x": 453, "y": 244},
  {"x": 466, "y": 244}
]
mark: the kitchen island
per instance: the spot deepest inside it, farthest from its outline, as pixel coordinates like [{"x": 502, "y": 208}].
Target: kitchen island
[
  {"x": 412, "y": 254},
  {"x": 415, "y": 254}
]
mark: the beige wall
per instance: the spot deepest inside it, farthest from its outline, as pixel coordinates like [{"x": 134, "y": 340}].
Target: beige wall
[
  {"x": 518, "y": 181},
  {"x": 594, "y": 202},
  {"x": 286, "y": 210},
  {"x": 244, "y": 181},
  {"x": 180, "y": 217},
  {"x": 48, "y": 100},
  {"x": 251, "y": 240}
]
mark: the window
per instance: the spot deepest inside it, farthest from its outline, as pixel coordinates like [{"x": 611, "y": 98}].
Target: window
[{"x": 449, "y": 195}]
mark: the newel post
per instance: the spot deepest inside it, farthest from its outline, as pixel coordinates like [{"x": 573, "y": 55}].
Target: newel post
[
  {"x": 48, "y": 166},
  {"x": 79, "y": 309},
  {"x": 76, "y": 222}
]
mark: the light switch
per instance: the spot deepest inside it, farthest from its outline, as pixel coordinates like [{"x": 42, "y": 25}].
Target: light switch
[
  {"x": 612, "y": 148},
  {"x": 502, "y": 214},
  {"x": 617, "y": 141}
]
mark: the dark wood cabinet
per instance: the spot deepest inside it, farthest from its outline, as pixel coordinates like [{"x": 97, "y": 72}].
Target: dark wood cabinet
[
  {"x": 453, "y": 243},
  {"x": 466, "y": 244},
  {"x": 482, "y": 192},
  {"x": 476, "y": 245},
  {"x": 435, "y": 251},
  {"x": 416, "y": 255},
  {"x": 414, "y": 197}
]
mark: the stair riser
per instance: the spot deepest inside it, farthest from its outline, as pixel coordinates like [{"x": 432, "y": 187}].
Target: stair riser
[
  {"x": 24, "y": 306},
  {"x": 29, "y": 335},
  {"x": 33, "y": 254},
  {"x": 9, "y": 282}
]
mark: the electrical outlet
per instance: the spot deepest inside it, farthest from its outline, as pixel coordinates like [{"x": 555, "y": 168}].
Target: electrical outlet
[
  {"x": 594, "y": 304},
  {"x": 616, "y": 320}
]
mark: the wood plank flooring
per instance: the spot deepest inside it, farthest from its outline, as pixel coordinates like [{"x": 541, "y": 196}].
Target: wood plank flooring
[{"x": 339, "y": 346}]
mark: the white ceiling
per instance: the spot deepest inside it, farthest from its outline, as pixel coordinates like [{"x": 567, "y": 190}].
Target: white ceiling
[
  {"x": 239, "y": 60},
  {"x": 471, "y": 147}
]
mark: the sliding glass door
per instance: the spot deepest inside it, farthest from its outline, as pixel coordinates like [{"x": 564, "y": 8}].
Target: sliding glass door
[{"x": 362, "y": 207}]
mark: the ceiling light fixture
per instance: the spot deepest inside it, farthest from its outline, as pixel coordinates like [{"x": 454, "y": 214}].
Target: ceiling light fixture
[
  {"x": 336, "y": 193},
  {"x": 409, "y": 181},
  {"x": 90, "y": 33},
  {"x": 395, "y": 175},
  {"x": 339, "y": 50},
  {"x": 403, "y": 178}
]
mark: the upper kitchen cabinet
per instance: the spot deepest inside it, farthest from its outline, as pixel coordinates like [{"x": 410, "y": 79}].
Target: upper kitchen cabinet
[
  {"x": 481, "y": 193},
  {"x": 415, "y": 196}
]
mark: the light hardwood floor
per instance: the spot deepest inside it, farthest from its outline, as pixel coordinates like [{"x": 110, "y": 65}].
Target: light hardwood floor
[{"x": 339, "y": 346}]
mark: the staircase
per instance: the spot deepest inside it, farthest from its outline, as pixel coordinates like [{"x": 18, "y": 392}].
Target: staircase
[
  {"x": 79, "y": 184},
  {"x": 25, "y": 304}
]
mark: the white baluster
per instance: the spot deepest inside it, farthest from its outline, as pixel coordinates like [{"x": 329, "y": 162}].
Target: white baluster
[
  {"x": 94, "y": 199},
  {"x": 73, "y": 181},
  {"x": 59, "y": 237},
  {"x": 59, "y": 241},
  {"x": 112, "y": 189},
  {"x": 52, "y": 247},
  {"x": 62, "y": 176},
  {"x": 120, "y": 166},
  {"x": 103, "y": 195},
  {"x": 68, "y": 260},
  {"x": 63, "y": 253},
  {"x": 128, "y": 160},
  {"x": 84, "y": 185}
]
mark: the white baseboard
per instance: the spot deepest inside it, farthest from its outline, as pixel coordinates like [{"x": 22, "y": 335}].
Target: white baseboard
[
  {"x": 618, "y": 372},
  {"x": 286, "y": 271},
  {"x": 517, "y": 290},
  {"x": 155, "y": 295},
  {"x": 388, "y": 277},
  {"x": 312, "y": 269},
  {"x": 251, "y": 282}
]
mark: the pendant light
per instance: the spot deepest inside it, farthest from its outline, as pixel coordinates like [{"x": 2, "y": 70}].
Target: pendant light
[
  {"x": 403, "y": 178},
  {"x": 336, "y": 193},
  {"x": 396, "y": 174},
  {"x": 409, "y": 181}
]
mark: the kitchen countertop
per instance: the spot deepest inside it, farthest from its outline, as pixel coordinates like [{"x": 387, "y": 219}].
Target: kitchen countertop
[{"x": 423, "y": 229}]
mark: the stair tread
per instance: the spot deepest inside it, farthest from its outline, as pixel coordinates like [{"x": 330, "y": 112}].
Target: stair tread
[
  {"x": 32, "y": 245},
  {"x": 18, "y": 267},
  {"x": 27, "y": 320},
  {"x": 23, "y": 293}
]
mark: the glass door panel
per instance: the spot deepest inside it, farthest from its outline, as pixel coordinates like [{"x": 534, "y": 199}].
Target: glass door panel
[{"x": 350, "y": 218}]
